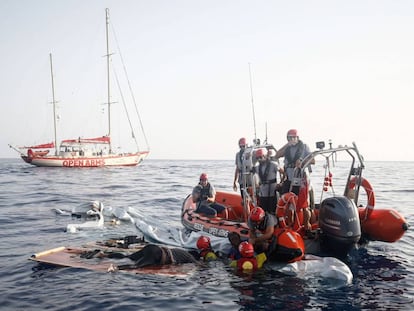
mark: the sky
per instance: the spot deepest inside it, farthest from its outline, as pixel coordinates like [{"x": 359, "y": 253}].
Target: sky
[{"x": 339, "y": 70}]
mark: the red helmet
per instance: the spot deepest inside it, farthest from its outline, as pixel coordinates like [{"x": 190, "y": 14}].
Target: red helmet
[
  {"x": 203, "y": 176},
  {"x": 246, "y": 249},
  {"x": 261, "y": 152},
  {"x": 203, "y": 242},
  {"x": 242, "y": 141},
  {"x": 257, "y": 214},
  {"x": 292, "y": 132}
]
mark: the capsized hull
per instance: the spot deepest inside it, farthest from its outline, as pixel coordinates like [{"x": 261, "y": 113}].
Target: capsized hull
[{"x": 75, "y": 257}]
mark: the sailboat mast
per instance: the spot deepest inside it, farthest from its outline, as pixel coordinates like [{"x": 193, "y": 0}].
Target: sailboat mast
[
  {"x": 108, "y": 77},
  {"x": 54, "y": 103},
  {"x": 251, "y": 94}
]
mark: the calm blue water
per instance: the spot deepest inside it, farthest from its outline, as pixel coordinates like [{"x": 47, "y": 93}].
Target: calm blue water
[{"x": 383, "y": 273}]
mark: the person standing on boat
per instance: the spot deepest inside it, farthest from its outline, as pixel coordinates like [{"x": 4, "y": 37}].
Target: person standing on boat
[
  {"x": 261, "y": 228},
  {"x": 204, "y": 195},
  {"x": 293, "y": 152},
  {"x": 296, "y": 178},
  {"x": 267, "y": 171},
  {"x": 238, "y": 173}
]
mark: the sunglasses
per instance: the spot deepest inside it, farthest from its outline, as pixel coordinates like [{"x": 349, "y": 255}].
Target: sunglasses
[
  {"x": 242, "y": 146},
  {"x": 291, "y": 137}
]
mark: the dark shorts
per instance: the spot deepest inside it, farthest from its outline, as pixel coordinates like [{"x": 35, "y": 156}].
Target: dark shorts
[
  {"x": 286, "y": 187},
  {"x": 211, "y": 209},
  {"x": 268, "y": 204}
]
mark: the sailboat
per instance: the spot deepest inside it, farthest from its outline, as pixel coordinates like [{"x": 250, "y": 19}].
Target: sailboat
[{"x": 83, "y": 152}]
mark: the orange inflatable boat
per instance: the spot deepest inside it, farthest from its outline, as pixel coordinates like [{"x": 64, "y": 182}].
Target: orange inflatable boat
[{"x": 339, "y": 222}]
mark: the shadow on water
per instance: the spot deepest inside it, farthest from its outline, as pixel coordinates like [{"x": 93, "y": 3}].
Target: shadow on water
[{"x": 269, "y": 290}]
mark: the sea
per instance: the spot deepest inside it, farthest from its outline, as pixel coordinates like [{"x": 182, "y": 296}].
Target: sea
[{"x": 383, "y": 273}]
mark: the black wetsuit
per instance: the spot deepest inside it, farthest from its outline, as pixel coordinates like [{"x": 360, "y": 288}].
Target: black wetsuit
[{"x": 154, "y": 255}]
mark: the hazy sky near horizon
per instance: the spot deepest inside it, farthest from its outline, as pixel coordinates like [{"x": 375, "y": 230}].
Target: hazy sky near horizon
[{"x": 339, "y": 70}]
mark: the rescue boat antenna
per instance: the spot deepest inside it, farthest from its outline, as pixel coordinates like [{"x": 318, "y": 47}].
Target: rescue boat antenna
[
  {"x": 108, "y": 77},
  {"x": 251, "y": 94},
  {"x": 53, "y": 103}
]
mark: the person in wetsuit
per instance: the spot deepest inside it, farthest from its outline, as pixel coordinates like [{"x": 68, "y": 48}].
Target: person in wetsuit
[{"x": 149, "y": 255}]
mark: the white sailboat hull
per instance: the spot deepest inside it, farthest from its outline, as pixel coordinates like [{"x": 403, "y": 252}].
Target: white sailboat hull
[{"x": 130, "y": 159}]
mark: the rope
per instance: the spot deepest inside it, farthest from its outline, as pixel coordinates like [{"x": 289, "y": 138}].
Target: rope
[{"x": 130, "y": 88}]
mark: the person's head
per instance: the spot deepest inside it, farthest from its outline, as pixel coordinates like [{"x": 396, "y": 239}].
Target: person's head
[
  {"x": 246, "y": 249},
  {"x": 257, "y": 215},
  {"x": 242, "y": 143},
  {"x": 197, "y": 193},
  {"x": 234, "y": 239},
  {"x": 203, "y": 179},
  {"x": 261, "y": 154},
  {"x": 203, "y": 243},
  {"x": 271, "y": 153},
  {"x": 292, "y": 136}
]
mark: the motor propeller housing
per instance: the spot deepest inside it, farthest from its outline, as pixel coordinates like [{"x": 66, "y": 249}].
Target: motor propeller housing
[{"x": 339, "y": 224}]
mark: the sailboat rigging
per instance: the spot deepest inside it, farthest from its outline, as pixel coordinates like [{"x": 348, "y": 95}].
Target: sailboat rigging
[{"x": 85, "y": 152}]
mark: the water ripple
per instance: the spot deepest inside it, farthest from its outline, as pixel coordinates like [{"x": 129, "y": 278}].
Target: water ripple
[{"x": 383, "y": 273}]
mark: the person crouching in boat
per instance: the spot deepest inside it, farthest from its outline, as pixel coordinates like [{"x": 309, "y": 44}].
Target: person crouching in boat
[
  {"x": 206, "y": 252},
  {"x": 261, "y": 229},
  {"x": 204, "y": 195}
]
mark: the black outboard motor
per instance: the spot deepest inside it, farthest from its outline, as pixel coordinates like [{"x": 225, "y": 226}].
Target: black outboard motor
[{"x": 340, "y": 226}]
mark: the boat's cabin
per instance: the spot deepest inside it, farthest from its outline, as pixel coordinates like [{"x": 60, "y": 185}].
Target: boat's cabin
[{"x": 83, "y": 150}]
